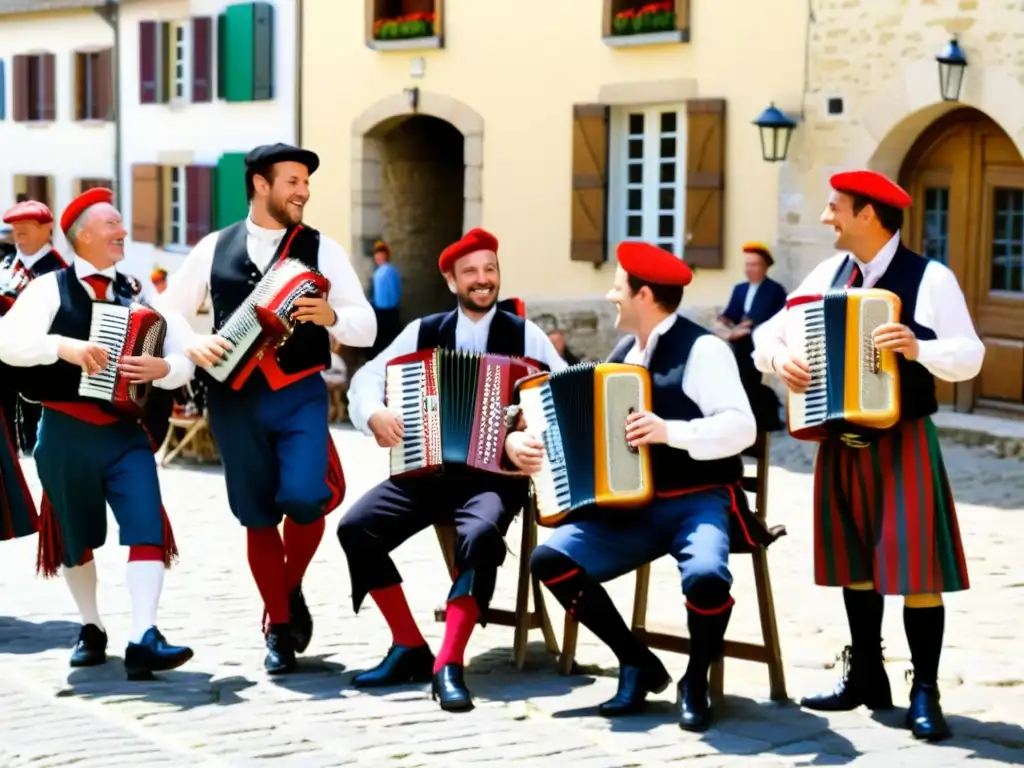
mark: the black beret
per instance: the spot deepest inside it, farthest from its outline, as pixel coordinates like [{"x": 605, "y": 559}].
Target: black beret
[{"x": 268, "y": 154}]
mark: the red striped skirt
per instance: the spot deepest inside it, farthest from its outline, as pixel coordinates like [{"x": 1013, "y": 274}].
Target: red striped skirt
[{"x": 885, "y": 514}]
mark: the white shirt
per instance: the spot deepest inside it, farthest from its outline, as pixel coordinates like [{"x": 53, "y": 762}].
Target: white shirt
[
  {"x": 712, "y": 381},
  {"x": 955, "y": 354},
  {"x": 30, "y": 260},
  {"x": 24, "y": 331},
  {"x": 748, "y": 302},
  {"x": 356, "y": 325},
  {"x": 366, "y": 390}
]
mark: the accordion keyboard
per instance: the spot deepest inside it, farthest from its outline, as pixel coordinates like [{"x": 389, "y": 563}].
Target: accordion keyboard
[
  {"x": 551, "y": 484},
  {"x": 109, "y": 329},
  {"x": 243, "y": 330},
  {"x": 816, "y": 396},
  {"x": 406, "y": 390}
]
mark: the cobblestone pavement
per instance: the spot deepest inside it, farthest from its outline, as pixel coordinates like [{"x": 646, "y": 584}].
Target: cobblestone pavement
[{"x": 220, "y": 710}]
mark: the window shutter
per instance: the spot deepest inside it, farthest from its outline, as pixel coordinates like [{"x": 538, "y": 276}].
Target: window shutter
[
  {"x": 239, "y": 42},
  {"x": 231, "y": 204},
  {"x": 222, "y": 58},
  {"x": 80, "y": 74},
  {"x": 202, "y": 59},
  {"x": 199, "y": 206},
  {"x": 589, "y": 226},
  {"x": 263, "y": 52},
  {"x": 47, "y": 62},
  {"x": 103, "y": 86},
  {"x": 149, "y": 63},
  {"x": 682, "y": 9},
  {"x": 147, "y": 203},
  {"x": 3, "y": 91},
  {"x": 705, "y": 183},
  {"x": 19, "y": 81}
]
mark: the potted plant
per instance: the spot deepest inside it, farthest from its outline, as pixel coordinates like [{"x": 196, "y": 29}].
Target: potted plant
[
  {"x": 404, "y": 27},
  {"x": 645, "y": 20}
]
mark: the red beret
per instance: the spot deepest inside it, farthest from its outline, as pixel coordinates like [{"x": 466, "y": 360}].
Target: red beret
[
  {"x": 653, "y": 265},
  {"x": 29, "y": 210},
  {"x": 873, "y": 186},
  {"x": 474, "y": 240},
  {"x": 89, "y": 197}
]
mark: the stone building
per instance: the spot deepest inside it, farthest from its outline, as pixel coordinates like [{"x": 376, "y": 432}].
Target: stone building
[
  {"x": 874, "y": 99},
  {"x": 565, "y": 127}
]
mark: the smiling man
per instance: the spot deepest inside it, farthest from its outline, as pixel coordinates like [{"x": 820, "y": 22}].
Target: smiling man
[{"x": 481, "y": 505}]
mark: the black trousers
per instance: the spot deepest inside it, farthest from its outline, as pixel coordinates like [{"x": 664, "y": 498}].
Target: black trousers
[{"x": 481, "y": 505}]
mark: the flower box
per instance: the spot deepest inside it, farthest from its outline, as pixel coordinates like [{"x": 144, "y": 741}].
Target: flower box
[
  {"x": 646, "y": 20},
  {"x": 408, "y": 27}
]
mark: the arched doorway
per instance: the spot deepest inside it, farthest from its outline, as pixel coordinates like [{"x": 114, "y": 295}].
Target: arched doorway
[{"x": 966, "y": 177}]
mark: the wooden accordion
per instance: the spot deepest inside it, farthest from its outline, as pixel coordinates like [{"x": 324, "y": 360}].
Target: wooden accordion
[
  {"x": 580, "y": 416},
  {"x": 124, "y": 331},
  {"x": 855, "y": 387},
  {"x": 263, "y": 321},
  {"x": 452, "y": 406}
]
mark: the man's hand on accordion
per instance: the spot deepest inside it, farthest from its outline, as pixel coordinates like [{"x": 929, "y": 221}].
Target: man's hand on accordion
[
  {"x": 90, "y": 357},
  {"x": 898, "y": 338},
  {"x": 387, "y": 428},
  {"x": 207, "y": 350},
  {"x": 525, "y": 451},
  {"x": 143, "y": 369},
  {"x": 794, "y": 372},
  {"x": 314, "y": 310},
  {"x": 644, "y": 428}
]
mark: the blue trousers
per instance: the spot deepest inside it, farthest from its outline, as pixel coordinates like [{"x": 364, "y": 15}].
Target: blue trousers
[
  {"x": 83, "y": 467},
  {"x": 274, "y": 449},
  {"x": 693, "y": 528}
]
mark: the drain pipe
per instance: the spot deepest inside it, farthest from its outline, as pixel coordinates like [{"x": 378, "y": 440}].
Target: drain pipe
[
  {"x": 297, "y": 100},
  {"x": 110, "y": 13}
]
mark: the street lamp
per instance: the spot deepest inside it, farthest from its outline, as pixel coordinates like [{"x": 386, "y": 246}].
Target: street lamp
[
  {"x": 776, "y": 129},
  {"x": 952, "y": 64}
]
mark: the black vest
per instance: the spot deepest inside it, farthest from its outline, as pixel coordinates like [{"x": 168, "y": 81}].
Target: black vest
[
  {"x": 233, "y": 278},
  {"x": 903, "y": 277},
  {"x": 51, "y": 262},
  {"x": 507, "y": 334},
  {"x": 675, "y": 470}
]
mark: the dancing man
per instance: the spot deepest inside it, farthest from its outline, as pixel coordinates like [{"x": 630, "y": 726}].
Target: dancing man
[
  {"x": 481, "y": 505},
  {"x": 278, "y": 455},
  {"x": 88, "y": 454},
  {"x": 701, "y": 422},
  {"x": 885, "y": 522}
]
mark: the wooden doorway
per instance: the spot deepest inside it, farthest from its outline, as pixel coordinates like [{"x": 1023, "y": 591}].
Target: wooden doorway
[{"x": 966, "y": 177}]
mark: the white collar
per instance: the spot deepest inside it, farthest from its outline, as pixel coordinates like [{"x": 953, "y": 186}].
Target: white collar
[
  {"x": 84, "y": 269},
  {"x": 877, "y": 266},
  {"x": 262, "y": 232},
  {"x": 659, "y": 330},
  {"x": 29, "y": 259},
  {"x": 485, "y": 320}
]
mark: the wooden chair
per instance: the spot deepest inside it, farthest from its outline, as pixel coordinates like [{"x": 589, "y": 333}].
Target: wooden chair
[
  {"x": 338, "y": 406},
  {"x": 522, "y": 618},
  {"x": 663, "y": 639},
  {"x": 197, "y": 439}
]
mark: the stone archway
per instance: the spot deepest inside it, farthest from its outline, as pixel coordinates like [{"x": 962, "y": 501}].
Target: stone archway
[{"x": 417, "y": 185}]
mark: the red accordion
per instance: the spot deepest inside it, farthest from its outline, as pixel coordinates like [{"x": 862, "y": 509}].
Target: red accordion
[
  {"x": 124, "y": 331},
  {"x": 13, "y": 280}
]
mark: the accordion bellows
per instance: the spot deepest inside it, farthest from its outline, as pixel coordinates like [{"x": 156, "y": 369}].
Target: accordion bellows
[
  {"x": 853, "y": 383},
  {"x": 580, "y": 416}
]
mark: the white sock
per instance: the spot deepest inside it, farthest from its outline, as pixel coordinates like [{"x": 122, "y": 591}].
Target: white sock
[
  {"x": 82, "y": 581},
  {"x": 145, "y": 582}
]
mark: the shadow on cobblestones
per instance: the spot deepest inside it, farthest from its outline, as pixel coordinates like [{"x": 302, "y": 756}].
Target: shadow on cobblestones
[
  {"x": 180, "y": 690},
  {"x": 19, "y": 637},
  {"x": 987, "y": 740}
]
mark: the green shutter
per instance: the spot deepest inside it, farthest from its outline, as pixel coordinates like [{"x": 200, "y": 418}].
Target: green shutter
[
  {"x": 229, "y": 190},
  {"x": 263, "y": 51},
  {"x": 239, "y": 39}
]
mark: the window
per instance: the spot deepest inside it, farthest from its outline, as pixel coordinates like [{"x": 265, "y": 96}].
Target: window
[
  {"x": 176, "y": 61},
  {"x": 94, "y": 85},
  {"x": 245, "y": 52},
  {"x": 3, "y": 91},
  {"x": 172, "y": 206},
  {"x": 175, "y": 182},
  {"x": 936, "y": 224},
  {"x": 34, "y": 188},
  {"x": 644, "y": 22},
  {"x": 1008, "y": 241},
  {"x": 404, "y": 24},
  {"x": 85, "y": 184},
  {"x": 34, "y": 84},
  {"x": 647, "y": 176}
]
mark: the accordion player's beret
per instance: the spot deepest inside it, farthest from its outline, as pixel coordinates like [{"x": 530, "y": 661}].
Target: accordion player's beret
[
  {"x": 873, "y": 186},
  {"x": 761, "y": 250},
  {"x": 475, "y": 240},
  {"x": 268, "y": 154},
  {"x": 652, "y": 264},
  {"x": 29, "y": 210},
  {"x": 88, "y": 198}
]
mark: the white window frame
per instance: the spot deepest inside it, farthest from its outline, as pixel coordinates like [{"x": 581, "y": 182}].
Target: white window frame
[
  {"x": 651, "y": 186},
  {"x": 177, "y": 178},
  {"x": 180, "y": 55}
]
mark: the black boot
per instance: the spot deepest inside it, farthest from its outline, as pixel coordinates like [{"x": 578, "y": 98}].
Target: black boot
[
  {"x": 707, "y": 644},
  {"x": 91, "y": 648},
  {"x": 300, "y": 620},
  {"x": 450, "y": 689},
  {"x": 925, "y": 628},
  {"x": 280, "y": 658},
  {"x": 401, "y": 665},
  {"x": 864, "y": 681},
  {"x": 153, "y": 654},
  {"x": 635, "y": 682}
]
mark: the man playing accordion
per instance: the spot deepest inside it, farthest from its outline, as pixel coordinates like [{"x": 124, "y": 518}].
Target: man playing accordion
[
  {"x": 482, "y": 505},
  {"x": 93, "y": 449},
  {"x": 268, "y": 405},
  {"x": 885, "y": 522}
]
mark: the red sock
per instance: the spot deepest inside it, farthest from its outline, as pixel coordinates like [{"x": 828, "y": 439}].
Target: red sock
[
  {"x": 462, "y": 617},
  {"x": 145, "y": 552},
  {"x": 266, "y": 561},
  {"x": 300, "y": 545},
  {"x": 392, "y": 603}
]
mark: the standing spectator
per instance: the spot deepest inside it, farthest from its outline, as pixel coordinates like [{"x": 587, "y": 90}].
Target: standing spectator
[
  {"x": 558, "y": 340},
  {"x": 385, "y": 293}
]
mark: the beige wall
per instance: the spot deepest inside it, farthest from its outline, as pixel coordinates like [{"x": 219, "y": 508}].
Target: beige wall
[
  {"x": 880, "y": 58},
  {"x": 515, "y": 70}
]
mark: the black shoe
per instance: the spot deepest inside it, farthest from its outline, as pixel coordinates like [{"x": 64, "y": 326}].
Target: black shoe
[
  {"x": 300, "y": 620},
  {"x": 280, "y": 658},
  {"x": 634, "y": 685},
  {"x": 864, "y": 682},
  {"x": 401, "y": 665},
  {"x": 694, "y": 705},
  {"x": 91, "y": 648},
  {"x": 450, "y": 689},
  {"x": 924, "y": 715},
  {"x": 153, "y": 654}
]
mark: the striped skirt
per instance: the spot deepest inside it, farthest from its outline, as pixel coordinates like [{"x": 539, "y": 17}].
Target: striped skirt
[{"x": 885, "y": 514}]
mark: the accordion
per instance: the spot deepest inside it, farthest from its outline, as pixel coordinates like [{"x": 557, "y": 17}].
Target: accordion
[
  {"x": 124, "y": 332},
  {"x": 263, "y": 321},
  {"x": 452, "y": 406},
  {"x": 580, "y": 416},
  {"x": 13, "y": 280},
  {"x": 855, "y": 387}
]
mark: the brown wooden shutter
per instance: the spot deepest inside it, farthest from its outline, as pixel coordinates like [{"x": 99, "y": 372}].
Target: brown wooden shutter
[
  {"x": 147, "y": 204},
  {"x": 199, "y": 206},
  {"x": 704, "y": 238},
  {"x": 48, "y": 65},
  {"x": 103, "y": 85},
  {"x": 202, "y": 59},
  {"x": 149, "y": 63},
  {"x": 682, "y": 9},
  {"x": 589, "y": 221},
  {"x": 81, "y": 86},
  {"x": 20, "y": 83}
]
